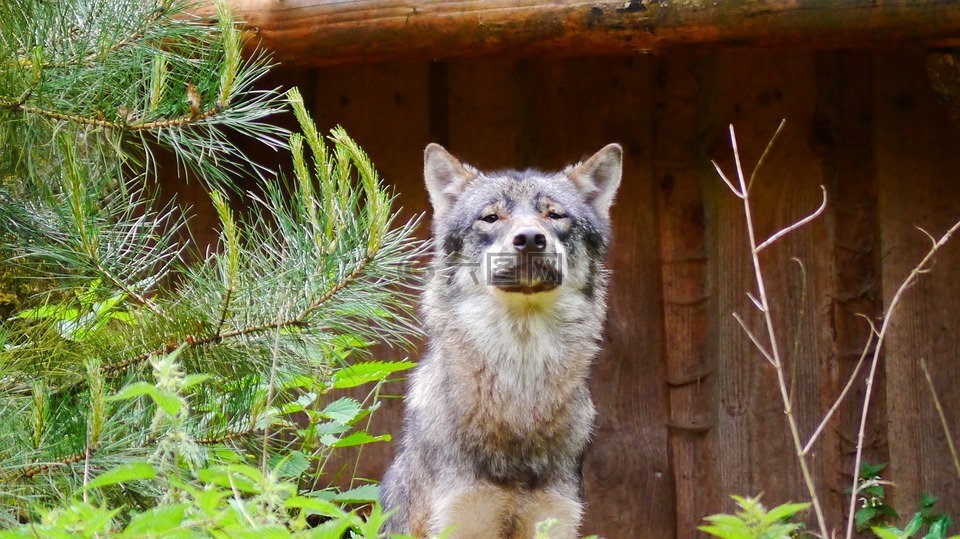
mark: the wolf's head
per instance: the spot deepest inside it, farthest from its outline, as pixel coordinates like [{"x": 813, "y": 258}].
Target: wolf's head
[{"x": 521, "y": 232}]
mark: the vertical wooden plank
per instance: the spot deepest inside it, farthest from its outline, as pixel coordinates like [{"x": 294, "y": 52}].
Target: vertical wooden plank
[
  {"x": 575, "y": 106},
  {"x": 386, "y": 109},
  {"x": 484, "y": 112},
  {"x": 843, "y": 132},
  {"x": 918, "y": 163},
  {"x": 754, "y": 91},
  {"x": 690, "y": 376}
]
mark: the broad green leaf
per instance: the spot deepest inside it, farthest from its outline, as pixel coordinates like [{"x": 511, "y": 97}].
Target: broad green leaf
[
  {"x": 914, "y": 525},
  {"x": 726, "y": 521},
  {"x": 871, "y": 471},
  {"x": 785, "y": 511},
  {"x": 49, "y": 311},
  {"x": 168, "y": 401},
  {"x": 241, "y": 477},
  {"x": 938, "y": 529},
  {"x": 324, "y": 494},
  {"x": 346, "y": 340},
  {"x": 361, "y": 494},
  {"x": 193, "y": 379},
  {"x": 368, "y": 371},
  {"x": 315, "y": 505},
  {"x": 332, "y": 529},
  {"x": 864, "y": 516},
  {"x": 244, "y": 531},
  {"x": 342, "y": 410},
  {"x": 208, "y": 500},
  {"x": 123, "y": 316},
  {"x": 124, "y": 473},
  {"x": 108, "y": 304},
  {"x": 33, "y": 533},
  {"x": 354, "y": 439},
  {"x": 291, "y": 465},
  {"x": 299, "y": 405},
  {"x": 132, "y": 391},
  {"x": 156, "y": 520},
  {"x": 887, "y": 533},
  {"x": 724, "y": 533}
]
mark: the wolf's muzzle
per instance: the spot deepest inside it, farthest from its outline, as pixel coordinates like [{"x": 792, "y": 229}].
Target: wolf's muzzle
[{"x": 530, "y": 239}]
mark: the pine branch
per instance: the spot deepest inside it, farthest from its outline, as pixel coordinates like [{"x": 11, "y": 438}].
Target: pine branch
[
  {"x": 170, "y": 123},
  {"x": 306, "y": 277}
]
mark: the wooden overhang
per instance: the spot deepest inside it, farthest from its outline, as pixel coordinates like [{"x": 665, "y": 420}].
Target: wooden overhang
[{"x": 325, "y": 32}]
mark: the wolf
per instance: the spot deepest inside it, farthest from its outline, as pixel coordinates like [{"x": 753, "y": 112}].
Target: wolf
[{"x": 498, "y": 412}]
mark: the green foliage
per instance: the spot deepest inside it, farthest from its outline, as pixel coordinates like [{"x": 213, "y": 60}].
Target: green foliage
[
  {"x": 935, "y": 524},
  {"x": 874, "y": 510},
  {"x": 146, "y": 389},
  {"x": 221, "y": 502},
  {"x": 100, "y": 75},
  {"x": 754, "y": 521}
]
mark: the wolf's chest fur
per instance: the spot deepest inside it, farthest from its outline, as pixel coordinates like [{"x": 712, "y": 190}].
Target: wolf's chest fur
[
  {"x": 519, "y": 366},
  {"x": 510, "y": 380}
]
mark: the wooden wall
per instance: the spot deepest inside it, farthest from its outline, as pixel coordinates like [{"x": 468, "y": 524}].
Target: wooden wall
[{"x": 688, "y": 410}]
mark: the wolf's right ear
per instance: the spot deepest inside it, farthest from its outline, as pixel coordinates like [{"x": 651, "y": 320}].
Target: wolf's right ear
[
  {"x": 446, "y": 178},
  {"x": 599, "y": 177}
]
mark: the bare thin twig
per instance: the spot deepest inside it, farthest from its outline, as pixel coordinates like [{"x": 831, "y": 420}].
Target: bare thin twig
[
  {"x": 763, "y": 156},
  {"x": 843, "y": 393},
  {"x": 784, "y": 231},
  {"x": 756, "y": 342},
  {"x": 919, "y": 269},
  {"x": 943, "y": 417},
  {"x": 773, "y": 353},
  {"x": 726, "y": 180}
]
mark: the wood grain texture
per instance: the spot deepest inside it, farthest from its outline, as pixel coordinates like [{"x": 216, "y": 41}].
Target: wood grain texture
[
  {"x": 690, "y": 376},
  {"x": 317, "y": 32},
  {"x": 918, "y": 163},
  {"x": 843, "y": 133},
  {"x": 754, "y": 91},
  {"x": 563, "y": 110}
]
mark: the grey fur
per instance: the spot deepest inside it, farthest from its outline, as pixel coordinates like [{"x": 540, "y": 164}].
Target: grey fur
[{"x": 498, "y": 413}]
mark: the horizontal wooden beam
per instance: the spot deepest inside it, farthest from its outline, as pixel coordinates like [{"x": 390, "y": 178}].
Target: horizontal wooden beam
[{"x": 322, "y": 32}]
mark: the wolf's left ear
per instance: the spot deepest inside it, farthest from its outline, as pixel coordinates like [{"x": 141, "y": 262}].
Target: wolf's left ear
[
  {"x": 598, "y": 177},
  {"x": 446, "y": 178}
]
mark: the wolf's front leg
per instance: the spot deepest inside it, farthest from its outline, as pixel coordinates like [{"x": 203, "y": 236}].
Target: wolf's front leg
[
  {"x": 563, "y": 507},
  {"x": 471, "y": 512}
]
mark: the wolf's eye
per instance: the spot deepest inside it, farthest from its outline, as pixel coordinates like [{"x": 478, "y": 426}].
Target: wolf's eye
[
  {"x": 555, "y": 215},
  {"x": 491, "y": 218}
]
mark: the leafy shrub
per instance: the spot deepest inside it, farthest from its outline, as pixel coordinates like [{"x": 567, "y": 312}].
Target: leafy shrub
[{"x": 147, "y": 390}]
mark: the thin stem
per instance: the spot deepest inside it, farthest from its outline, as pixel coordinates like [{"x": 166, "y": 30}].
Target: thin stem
[
  {"x": 766, "y": 151},
  {"x": 753, "y": 338},
  {"x": 119, "y": 126},
  {"x": 226, "y": 308},
  {"x": 843, "y": 394},
  {"x": 37, "y": 469},
  {"x": 264, "y": 458},
  {"x": 727, "y": 180},
  {"x": 875, "y": 360},
  {"x": 192, "y": 342},
  {"x": 774, "y": 351},
  {"x": 784, "y": 231},
  {"x": 943, "y": 417}
]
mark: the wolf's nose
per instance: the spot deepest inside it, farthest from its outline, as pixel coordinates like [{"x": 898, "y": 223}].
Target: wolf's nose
[{"x": 529, "y": 239}]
